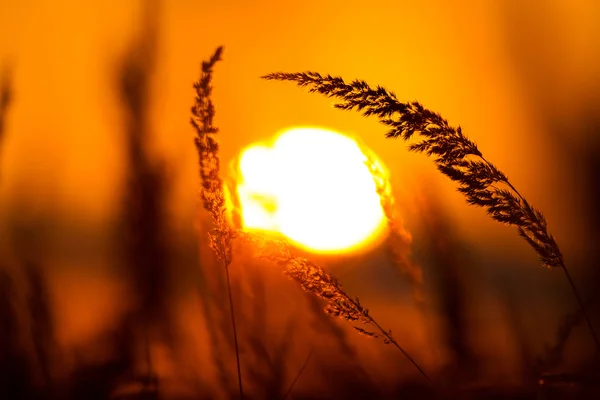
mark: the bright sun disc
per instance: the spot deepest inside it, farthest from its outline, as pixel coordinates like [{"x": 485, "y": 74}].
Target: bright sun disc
[{"x": 313, "y": 186}]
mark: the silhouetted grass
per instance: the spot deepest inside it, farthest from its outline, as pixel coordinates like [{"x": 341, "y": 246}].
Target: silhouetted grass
[
  {"x": 145, "y": 255},
  {"x": 213, "y": 193},
  {"x": 457, "y": 157},
  {"x": 144, "y": 250},
  {"x": 315, "y": 280},
  {"x": 311, "y": 277}
]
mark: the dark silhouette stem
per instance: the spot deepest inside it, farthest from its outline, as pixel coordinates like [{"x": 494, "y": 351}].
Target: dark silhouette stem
[
  {"x": 393, "y": 341},
  {"x": 289, "y": 391},
  {"x": 235, "y": 340},
  {"x": 583, "y": 312},
  {"x": 566, "y": 271}
]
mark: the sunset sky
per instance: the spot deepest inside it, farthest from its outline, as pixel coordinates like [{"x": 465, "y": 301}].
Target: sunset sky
[
  {"x": 481, "y": 64},
  {"x": 522, "y": 78}
]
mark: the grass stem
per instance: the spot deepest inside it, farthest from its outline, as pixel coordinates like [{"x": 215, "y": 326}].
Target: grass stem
[
  {"x": 235, "y": 338},
  {"x": 581, "y": 304}
]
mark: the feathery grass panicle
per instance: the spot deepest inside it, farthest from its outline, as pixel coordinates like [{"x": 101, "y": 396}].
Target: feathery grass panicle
[
  {"x": 315, "y": 280},
  {"x": 449, "y": 147},
  {"x": 398, "y": 239},
  {"x": 213, "y": 192},
  {"x": 454, "y": 154}
]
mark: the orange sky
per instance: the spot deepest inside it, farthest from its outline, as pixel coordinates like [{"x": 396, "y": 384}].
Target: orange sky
[
  {"x": 64, "y": 130},
  {"x": 506, "y": 71}
]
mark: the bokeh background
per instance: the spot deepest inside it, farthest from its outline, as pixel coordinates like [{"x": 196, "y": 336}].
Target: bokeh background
[{"x": 107, "y": 278}]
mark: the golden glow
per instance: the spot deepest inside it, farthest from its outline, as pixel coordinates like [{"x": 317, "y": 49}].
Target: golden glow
[{"x": 313, "y": 186}]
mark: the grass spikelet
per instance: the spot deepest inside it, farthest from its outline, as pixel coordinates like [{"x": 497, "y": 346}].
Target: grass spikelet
[
  {"x": 457, "y": 157},
  {"x": 213, "y": 192},
  {"x": 315, "y": 280}
]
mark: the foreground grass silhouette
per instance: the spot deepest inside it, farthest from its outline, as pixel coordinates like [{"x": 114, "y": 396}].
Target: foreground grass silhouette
[
  {"x": 311, "y": 277},
  {"x": 457, "y": 157}
]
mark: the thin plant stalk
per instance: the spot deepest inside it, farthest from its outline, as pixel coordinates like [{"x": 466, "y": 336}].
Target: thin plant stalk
[
  {"x": 300, "y": 372},
  {"x": 235, "y": 339},
  {"x": 213, "y": 193},
  {"x": 315, "y": 280},
  {"x": 457, "y": 157},
  {"x": 568, "y": 275}
]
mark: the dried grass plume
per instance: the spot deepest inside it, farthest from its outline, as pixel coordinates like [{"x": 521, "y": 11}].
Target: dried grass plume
[
  {"x": 457, "y": 157},
  {"x": 213, "y": 192}
]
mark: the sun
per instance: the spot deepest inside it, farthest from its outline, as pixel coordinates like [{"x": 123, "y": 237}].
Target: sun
[{"x": 311, "y": 185}]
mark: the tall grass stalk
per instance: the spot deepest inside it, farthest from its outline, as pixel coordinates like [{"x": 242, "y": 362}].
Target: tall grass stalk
[
  {"x": 315, "y": 280},
  {"x": 212, "y": 192},
  {"x": 298, "y": 375},
  {"x": 457, "y": 157}
]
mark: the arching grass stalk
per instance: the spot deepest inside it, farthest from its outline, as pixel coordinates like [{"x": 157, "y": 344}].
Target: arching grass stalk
[
  {"x": 315, "y": 280},
  {"x": 212, "y": 192},
  {"x": 454, "y": 155}
]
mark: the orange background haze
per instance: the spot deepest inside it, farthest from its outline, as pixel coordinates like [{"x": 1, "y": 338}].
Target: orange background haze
[{"x": 522, "y": 79}]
